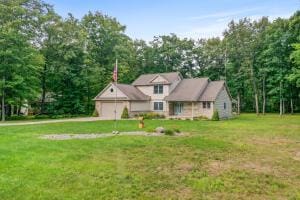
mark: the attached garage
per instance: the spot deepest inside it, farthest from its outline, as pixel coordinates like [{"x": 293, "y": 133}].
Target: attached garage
[
  {"x": 125, "y": 94},
  {"x": 108, "y": 110}
]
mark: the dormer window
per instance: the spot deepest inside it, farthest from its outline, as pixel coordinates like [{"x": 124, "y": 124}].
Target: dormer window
[{"x": 158, "y": 89}]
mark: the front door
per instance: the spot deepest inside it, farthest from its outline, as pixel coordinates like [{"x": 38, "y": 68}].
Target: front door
[{"x": 178, "y": 108}]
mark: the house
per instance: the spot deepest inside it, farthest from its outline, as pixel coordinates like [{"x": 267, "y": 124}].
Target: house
[{"x": 168, "y": 94}]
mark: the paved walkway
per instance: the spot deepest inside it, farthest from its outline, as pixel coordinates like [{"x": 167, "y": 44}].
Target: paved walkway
[{"x": 83, "y": 119}]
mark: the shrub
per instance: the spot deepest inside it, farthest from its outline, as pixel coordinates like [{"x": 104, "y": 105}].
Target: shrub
[
  {"x": 125, "y": 114},
  {"x": 95, "y": 113},
  {"x": 176, "y": 130},
  {"x": 18, "y": 117},
  {"x": 41, "y": 117},
  {"x": 215, "y": 116},
  {"x": 169, "y": 132},
  {"x": 200, "y": 118},
  {"x": 152, "y": 115}
]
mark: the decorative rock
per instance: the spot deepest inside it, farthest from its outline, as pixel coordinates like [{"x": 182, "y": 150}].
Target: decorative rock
[{"x": 160, "y": 130}]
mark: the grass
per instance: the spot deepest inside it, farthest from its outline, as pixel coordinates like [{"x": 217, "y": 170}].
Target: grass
[{"x": 244, "y": 158}]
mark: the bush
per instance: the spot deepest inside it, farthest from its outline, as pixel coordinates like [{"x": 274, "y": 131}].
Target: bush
[
  {"x": 41, "y": 117},
  {"x": 18, "y": 117},
  {"x": 215, "y": 116},
  {"x": 125, "y": 114},
  {"x": 200, "y": 118},
  {"x": 95, "y": 113},
  {"x": 176, "y": 130},
  {"x": 169, "y": 132},
  {"x": 152, "y": 115}
]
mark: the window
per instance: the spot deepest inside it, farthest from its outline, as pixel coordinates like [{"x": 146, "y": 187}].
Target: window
[
  {"x": 158, "y": 89},
  {"x": 206, "y": 104},
  {"x": 224, "y": 106},
  {"x": 111, "y": 90},
  {"x": 158, "y": 106}
]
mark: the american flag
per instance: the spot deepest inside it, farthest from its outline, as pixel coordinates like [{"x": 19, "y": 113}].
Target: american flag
[{"x": 115, "y": 74}]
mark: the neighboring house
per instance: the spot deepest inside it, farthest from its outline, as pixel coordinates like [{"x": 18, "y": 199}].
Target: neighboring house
[{"x": 168, "y": 94}]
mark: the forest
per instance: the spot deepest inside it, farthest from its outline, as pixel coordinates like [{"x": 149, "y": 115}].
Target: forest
[{"x": 57, "y": 65}]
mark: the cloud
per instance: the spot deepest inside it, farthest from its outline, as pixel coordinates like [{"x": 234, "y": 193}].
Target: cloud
[
  {"x": 220, "y": 15},
  {"x": 216, "y": 29}
]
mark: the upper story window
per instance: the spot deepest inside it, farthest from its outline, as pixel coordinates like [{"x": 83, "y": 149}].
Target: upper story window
[
  {"x": 206, "y": 104},
  {"x": 158, "y": 89}
]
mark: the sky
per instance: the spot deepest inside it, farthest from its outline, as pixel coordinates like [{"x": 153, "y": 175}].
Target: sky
[{"x": 195, "y": 19}]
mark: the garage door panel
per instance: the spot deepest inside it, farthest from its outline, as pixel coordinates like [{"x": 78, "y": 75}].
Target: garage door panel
[{"x": 108, "y": 110}]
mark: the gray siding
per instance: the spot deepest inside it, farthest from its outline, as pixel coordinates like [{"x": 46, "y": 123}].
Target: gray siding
[{"x": 222, "y": 98}]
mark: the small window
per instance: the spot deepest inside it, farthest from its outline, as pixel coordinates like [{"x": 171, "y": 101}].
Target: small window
[
  {"x": 158, "y": 106},
  {"x": 111, "y": 90},
  {"x": 224, "y": 106},
  {"x": 158, "y": 89},
  {"x": 206, "y": 104}
]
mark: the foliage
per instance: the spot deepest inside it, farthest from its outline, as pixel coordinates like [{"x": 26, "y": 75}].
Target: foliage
[
  {"x": 295, "y": 57},
  {"x": 169, "y": 132},
  {"x": 151, "y": 115},
  {"x": 176, "y": 130},
  {"x": 95, "y": 113},
  {"x": 125, "y": 114},
  {"x": 215, "y": 116}
]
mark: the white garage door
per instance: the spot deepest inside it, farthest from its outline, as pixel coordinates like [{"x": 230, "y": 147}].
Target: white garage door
[{"x": 108, "y": 110}]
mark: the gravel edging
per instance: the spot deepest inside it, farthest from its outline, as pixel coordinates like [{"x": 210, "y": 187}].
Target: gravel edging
[{"x": 101, "y": 135}]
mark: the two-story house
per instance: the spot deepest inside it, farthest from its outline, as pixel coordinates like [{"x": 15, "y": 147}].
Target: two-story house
[{"x": 168, "y": 94}]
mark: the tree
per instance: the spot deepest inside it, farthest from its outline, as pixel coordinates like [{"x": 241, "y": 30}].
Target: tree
[{"x": 19, "y": 60}]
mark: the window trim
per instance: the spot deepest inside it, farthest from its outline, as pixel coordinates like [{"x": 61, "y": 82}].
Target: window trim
[
  {"x": 206, "y": 104},
  {"x": 158, "y": 89},
  {"x": 159, "y": 106}
]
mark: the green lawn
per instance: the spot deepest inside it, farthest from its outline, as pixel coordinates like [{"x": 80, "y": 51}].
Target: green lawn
[{"x": 244, "y": 158}]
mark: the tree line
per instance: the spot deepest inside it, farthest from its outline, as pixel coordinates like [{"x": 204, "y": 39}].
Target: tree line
[{"x": 57, "y": 65}]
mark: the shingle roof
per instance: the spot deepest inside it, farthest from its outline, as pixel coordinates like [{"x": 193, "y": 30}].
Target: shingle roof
[
  {"x": 146, "y": 79},
  {"x": 188, "y": 90},
  {"x": 132, "y": 92},
  {"x": 212, "y": 90}
]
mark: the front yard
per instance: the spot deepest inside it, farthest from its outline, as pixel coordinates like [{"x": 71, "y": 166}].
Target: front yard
[{"x": 244, "y": 158}]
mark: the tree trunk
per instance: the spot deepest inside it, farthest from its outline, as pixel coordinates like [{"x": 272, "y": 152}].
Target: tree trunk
[
  {"x": 292, "y": 106},
  {"x": 280, "y": 99},
  {"x": 264, "y": 96},
  {"x": 238, "y": 104},
  {"x": 3, "y": 101},
  {"x": 255, "y": 90},
  {"x": 283, "y": 107},
  {"x": 43, "y": 90},
  {"x": 12, "y": 110},
  {"x": 256, "y": 104}
]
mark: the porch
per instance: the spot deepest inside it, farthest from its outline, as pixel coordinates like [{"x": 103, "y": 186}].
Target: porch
[
  {"x": 185, "y": 110},
  {"x": 189, "y": 110}
]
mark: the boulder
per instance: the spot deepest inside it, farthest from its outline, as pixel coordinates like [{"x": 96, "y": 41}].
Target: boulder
[{"x": 160, "y": 130}]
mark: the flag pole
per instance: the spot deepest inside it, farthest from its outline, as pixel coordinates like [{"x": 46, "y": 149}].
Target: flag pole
[{"x": 116, "y": 82}]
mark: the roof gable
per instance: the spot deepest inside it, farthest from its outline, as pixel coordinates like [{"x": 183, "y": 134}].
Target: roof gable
[
  {"x": 110, "y": 92},
  {"x": 159, "y": 79},
  {"x": 147, "y": 79}
]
